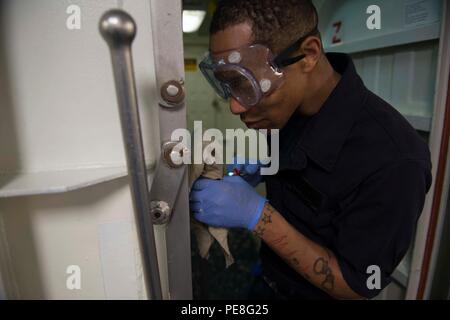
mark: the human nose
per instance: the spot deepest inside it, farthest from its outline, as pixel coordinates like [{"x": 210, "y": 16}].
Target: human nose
[{"x": 236, "y": 108}]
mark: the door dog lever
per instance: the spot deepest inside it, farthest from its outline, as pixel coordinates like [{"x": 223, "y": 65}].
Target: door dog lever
[{"x": 119, "y": 30}]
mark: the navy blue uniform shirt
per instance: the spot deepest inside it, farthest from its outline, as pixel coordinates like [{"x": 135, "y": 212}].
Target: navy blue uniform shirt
[{"x": 353, "y": 178}]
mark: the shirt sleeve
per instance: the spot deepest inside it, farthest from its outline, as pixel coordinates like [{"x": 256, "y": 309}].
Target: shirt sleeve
[{"x": 377, "y": 227}]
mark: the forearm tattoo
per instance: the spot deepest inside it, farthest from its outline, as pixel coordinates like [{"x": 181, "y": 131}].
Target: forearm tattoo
[
  {"x": 294, "y": 261},
  {"x": 322, "y": 268},
  {"x": 259, "y": 232},
  {"x": 266, "y": 220}
]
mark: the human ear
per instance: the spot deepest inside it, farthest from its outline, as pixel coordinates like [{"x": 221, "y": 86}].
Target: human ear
[{"x": 312, "y": 48}]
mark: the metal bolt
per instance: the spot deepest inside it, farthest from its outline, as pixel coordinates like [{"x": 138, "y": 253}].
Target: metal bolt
[
  {"x": 170, "y": 153},
  {"x": 172, "y": 93},
  {"x": 160, "y": 212},
  {"x": 172, "y": 90}
]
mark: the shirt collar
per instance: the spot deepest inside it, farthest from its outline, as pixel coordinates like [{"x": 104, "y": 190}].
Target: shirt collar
[{"x": 324, "y": 134}]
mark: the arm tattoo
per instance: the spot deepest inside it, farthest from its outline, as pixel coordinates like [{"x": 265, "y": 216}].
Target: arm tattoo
[
  {"x": 321, "y": 267},
  {"x": 267, "y": 214},
  {"x": 291, "y": 254},
  {"x": 280, "y": 242},
  {"x": 295, "y": 262},
  {"x": 266, "y": 219},
  {"x": 259, "y": 232}
]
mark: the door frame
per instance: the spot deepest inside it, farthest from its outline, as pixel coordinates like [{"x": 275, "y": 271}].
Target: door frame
[
  {"x": 429, "y": 228},
  {"x": 166, "y": 17}
]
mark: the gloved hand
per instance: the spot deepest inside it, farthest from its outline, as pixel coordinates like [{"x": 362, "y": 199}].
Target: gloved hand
[
  {"x": 251, "y": 172},
  {"x": 227, "y": 203}
]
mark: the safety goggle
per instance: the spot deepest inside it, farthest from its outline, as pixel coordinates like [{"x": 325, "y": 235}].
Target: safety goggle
[{"x": 249, "y": 73}]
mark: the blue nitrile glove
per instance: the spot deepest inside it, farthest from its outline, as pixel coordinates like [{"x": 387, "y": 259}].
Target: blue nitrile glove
[
  {"x": 251, "y": 172},
  {"x": 227, "y": 203}
]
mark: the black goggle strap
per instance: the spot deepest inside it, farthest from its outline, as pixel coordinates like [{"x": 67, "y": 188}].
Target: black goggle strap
[
  {"x": 283, "y": 60},
  {"x": 288, "y": 61}
]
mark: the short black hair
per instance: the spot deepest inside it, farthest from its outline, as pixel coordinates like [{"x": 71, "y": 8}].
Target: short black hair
[{"x": 275, "y": 23}]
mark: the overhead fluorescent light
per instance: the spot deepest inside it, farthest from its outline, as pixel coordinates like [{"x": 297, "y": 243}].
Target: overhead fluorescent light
[{"x": 192, "y": 20}]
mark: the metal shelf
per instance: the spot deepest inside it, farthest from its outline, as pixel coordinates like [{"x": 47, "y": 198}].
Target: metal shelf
[{"x": 53, "y": 182}]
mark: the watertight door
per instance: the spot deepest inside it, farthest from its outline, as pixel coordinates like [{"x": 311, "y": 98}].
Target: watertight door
[{"x": 67, "y": 223}]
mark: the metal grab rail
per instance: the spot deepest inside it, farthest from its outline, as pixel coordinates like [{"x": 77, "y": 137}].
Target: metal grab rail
[{"x": 119, "y": 30}]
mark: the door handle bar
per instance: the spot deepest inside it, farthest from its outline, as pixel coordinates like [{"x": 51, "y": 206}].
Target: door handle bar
[{"x": 118, "y": 29}]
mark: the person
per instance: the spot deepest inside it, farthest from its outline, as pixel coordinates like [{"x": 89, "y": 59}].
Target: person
[{"x": 340, "y": 214}]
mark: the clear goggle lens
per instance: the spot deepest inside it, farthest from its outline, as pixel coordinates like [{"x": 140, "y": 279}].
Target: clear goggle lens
[
  {"x": 240, "y": 85},
  {"x": 245, "y": 74},
  {"x": 218, "y": 86}
]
